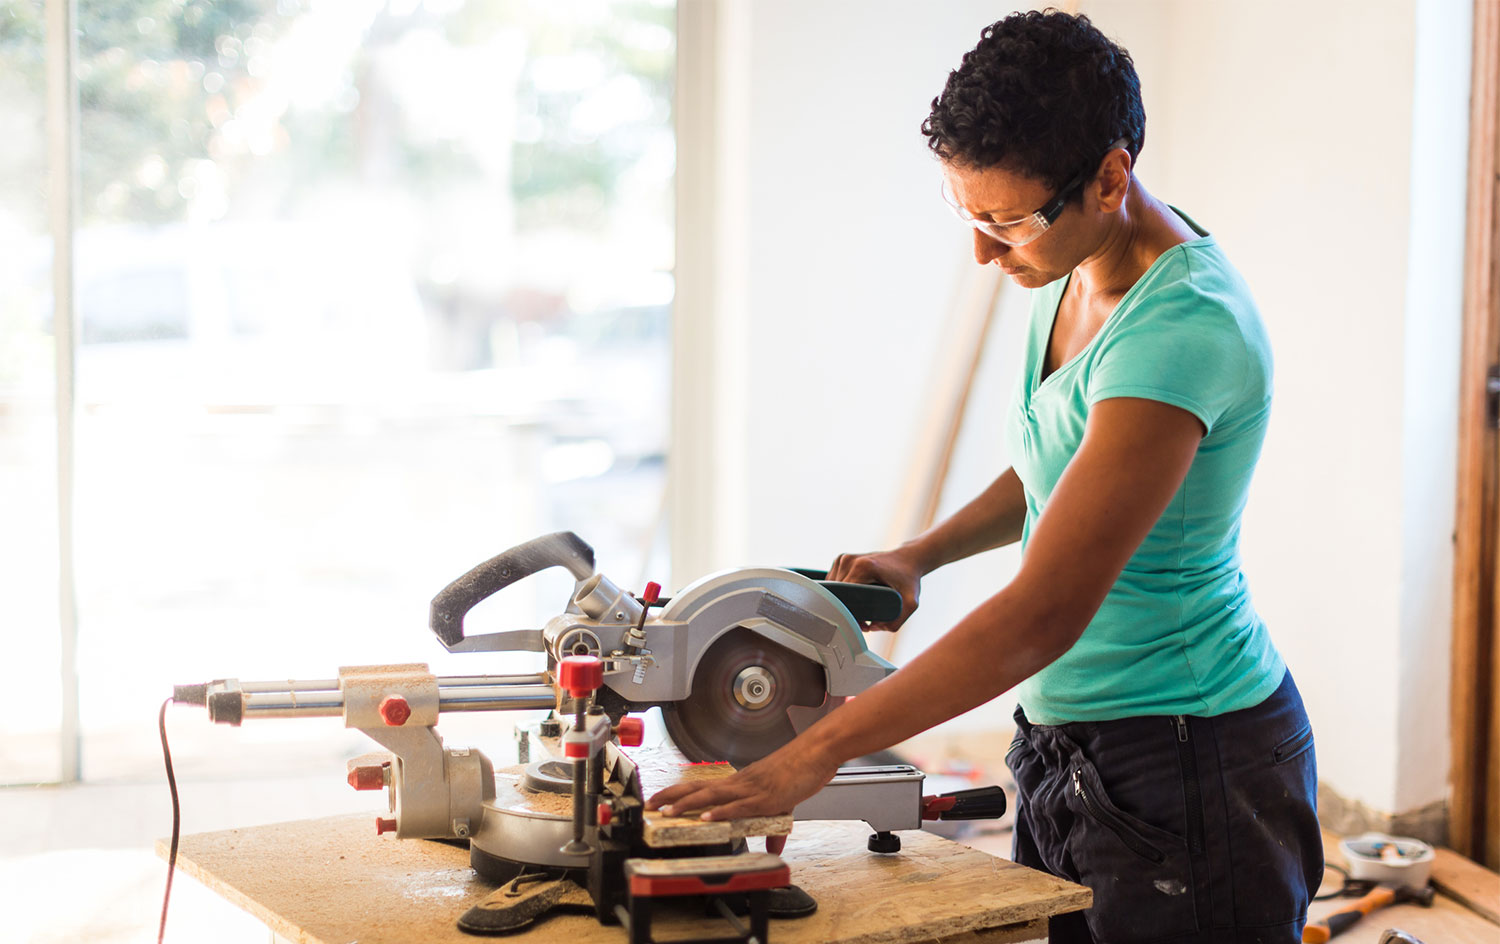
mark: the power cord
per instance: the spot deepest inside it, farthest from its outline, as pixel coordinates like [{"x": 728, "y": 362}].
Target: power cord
[
  {"x": 166, "y": 756},
  {"x": 1350, "y": 888}
]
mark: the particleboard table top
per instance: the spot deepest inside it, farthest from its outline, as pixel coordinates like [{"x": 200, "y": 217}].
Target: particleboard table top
[{"x": 334, "y": 881}]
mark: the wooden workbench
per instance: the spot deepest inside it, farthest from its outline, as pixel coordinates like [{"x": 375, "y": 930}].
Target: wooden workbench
[{"x": 333, "y": 881}]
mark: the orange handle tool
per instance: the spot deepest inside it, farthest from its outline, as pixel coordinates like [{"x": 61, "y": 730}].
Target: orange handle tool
[{"x": 1335, "y": 923}]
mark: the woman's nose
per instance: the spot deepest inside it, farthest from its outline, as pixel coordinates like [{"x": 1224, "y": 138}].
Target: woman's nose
[{"x": 987, "y": 249}]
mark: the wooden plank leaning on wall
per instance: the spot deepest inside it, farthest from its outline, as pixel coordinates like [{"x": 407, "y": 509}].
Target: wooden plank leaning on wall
[{"x": 1474, "y": 813}]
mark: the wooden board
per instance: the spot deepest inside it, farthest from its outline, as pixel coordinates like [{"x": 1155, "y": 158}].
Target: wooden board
[
  {"x": 332, "y": 881},
  {"x": 666, "y": 832},
  {"x": 1469, "y": 883}
]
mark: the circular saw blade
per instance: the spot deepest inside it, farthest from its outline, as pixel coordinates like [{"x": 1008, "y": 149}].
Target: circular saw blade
[{"x": 714, "y": 723}]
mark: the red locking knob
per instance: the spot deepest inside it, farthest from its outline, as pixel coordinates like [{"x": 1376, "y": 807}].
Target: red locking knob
[
  {"x": 383, "y": 826},
  {"x": 606, "y": 813},
  {"x": 394, "y": 710},
  {"x": 580, "y": 675},
  {"x": 631, "y": 732},
  {"x": 367, "y": 777},
  {"x": 653, "y": 592}
]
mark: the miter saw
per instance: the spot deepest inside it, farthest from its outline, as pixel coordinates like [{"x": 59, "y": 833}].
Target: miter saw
[{"x": 739, "y": 662}]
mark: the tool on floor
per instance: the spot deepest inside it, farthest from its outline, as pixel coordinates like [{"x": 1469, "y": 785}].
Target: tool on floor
[
  {"x": 1331, "y": 925},
  {"x": 739, "y": 662},
  {"x": 1383, "y": 870},
  {"x": 1392, "y": 860},
  {"x": 1397, "y": 936}
]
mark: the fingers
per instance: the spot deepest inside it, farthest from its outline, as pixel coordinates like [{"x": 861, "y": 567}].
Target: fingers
[
  {"x": 754, "y": 805},
  {"x": 853, "y": 568},
  {"x": 775, "y": 844},
  {"x": 839, "y": 567},
  {"x": 731, "y": 798},
  {"x": 732, "y": 793},
  {"x": 683, "y": 797}
]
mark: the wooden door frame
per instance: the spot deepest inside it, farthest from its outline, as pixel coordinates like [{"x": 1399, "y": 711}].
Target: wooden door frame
[{"x": 1474, "y": 816}]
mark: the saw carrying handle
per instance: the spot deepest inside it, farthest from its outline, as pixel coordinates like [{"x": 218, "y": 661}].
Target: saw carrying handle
[{"x": 561, "y": 549}]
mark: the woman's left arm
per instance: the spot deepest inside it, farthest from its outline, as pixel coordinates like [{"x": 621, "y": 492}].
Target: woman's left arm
[{"x": 1134, "y": 456}]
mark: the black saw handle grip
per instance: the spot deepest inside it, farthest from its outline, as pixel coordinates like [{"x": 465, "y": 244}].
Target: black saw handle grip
[
  {"x": 978, "y": 803},
  {"x": 867, "y": 602},
  {"x": 560, "y": 549}
]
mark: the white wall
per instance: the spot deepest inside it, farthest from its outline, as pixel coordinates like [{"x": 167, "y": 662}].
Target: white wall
[{"x": 1322, "y": 143}]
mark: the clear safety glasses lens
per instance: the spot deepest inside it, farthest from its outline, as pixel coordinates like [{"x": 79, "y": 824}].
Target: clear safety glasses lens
[
  {"x": 1018, "y": 233},
  {"x": 1012, "y": 233}
]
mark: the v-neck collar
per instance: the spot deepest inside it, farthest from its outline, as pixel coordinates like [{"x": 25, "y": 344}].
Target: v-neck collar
[{"x": 1203, "y": 238}]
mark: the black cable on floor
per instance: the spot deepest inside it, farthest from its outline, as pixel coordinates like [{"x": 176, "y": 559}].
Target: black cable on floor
[
  {"x": 166, "y": 756},
  {"x": 1349, "y": 888}
]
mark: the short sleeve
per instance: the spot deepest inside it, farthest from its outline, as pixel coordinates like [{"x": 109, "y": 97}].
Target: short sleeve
[{"x": 1180, "y": 346}]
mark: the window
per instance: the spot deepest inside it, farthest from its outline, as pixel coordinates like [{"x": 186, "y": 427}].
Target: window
[{"x": 369, "y": 291}]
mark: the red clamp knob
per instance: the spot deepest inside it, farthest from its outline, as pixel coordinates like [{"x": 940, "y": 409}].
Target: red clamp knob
[
  {"x": 934, "y": 807},
  {"x": 394, "y": 710},
  {"x": 367, "y": 777},
  {"x": 383, "y": 826},
  {"x": 631, "y": 732},
  {"x": 606, "y": 814},
  {"x": 580, "y": 675},
  {"x": 653, "y": 592}
]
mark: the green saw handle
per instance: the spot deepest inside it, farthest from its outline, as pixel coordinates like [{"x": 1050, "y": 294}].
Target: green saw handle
[{"x": 866, "y": 602}]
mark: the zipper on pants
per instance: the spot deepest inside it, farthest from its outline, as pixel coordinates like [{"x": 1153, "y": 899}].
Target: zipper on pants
[
  {"x": 1114, "y": 824},
  {"x": 1192, "y": 793}
]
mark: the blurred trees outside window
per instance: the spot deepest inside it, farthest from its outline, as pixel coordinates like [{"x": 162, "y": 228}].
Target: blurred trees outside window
[{"x": 368, "y": 291}]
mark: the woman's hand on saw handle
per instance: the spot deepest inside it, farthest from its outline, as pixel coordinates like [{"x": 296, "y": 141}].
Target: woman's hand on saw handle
[{"x": 897, "y": 569}]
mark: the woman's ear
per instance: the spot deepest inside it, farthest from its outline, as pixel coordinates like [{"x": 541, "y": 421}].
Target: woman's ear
[{"x": 1112, "y": 182}]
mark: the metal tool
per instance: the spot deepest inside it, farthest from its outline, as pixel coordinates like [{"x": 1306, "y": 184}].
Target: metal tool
[
  {"x": 739, "y": 661},
  {"x": 1390, "y": 860}
]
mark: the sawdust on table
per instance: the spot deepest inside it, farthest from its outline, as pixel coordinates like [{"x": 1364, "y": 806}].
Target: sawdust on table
[{"x": 658, "y": 768}]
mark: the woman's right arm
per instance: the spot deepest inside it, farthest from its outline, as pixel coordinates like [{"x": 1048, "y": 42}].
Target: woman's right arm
[{"x": 993, "y": 519}]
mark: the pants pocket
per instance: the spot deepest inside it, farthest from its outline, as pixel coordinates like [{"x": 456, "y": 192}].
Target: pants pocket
[
  {"x": 1134, "y": 868},
  {"x": 1293, "y": 746}
]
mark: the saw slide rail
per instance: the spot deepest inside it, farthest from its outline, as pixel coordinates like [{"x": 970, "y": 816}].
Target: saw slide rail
[{"x": 230, "y": 701}]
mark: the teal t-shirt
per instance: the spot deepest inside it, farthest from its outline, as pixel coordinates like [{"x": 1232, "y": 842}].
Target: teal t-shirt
[{"x": 1177, "y": 633}]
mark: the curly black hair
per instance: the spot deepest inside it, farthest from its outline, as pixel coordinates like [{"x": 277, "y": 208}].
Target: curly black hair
[{"x": 1044, "y": 94}]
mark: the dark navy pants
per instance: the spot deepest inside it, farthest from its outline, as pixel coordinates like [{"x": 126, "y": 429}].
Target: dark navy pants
[{"x": 1187, "y": 829}]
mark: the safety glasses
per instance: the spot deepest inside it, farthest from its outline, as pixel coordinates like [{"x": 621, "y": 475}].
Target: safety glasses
[{"x": 1028, "y": 228}]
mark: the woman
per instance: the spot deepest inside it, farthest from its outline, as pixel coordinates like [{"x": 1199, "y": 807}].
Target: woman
[{"x": 1163, "y": 756}]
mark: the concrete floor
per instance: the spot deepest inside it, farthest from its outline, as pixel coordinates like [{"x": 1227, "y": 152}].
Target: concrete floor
[{"x": 77, "y": 862}]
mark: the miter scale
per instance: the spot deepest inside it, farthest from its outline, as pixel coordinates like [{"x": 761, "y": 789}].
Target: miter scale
[{"x": 739, "y": 662}]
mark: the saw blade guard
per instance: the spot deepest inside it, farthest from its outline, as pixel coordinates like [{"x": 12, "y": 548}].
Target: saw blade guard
[
  {"x": 759, "y": 654},
  {"x": 787, "y": 609}
]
